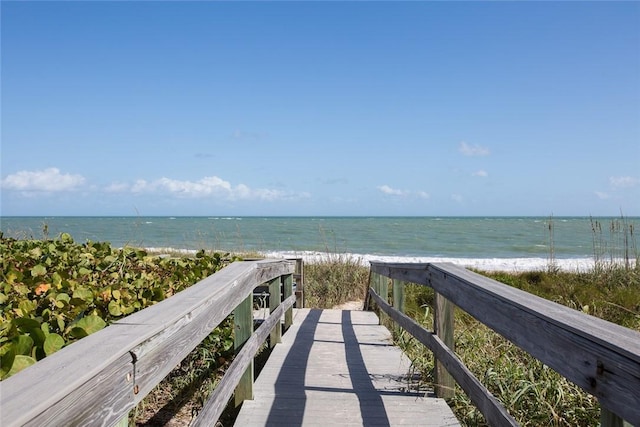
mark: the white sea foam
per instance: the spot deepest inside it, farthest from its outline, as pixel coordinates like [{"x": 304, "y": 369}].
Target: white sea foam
[{"x": 486, "y": 264}]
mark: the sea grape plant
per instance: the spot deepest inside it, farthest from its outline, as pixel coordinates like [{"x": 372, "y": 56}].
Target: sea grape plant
[{"x": 54, "y": 292}]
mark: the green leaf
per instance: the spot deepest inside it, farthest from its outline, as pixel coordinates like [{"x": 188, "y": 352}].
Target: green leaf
[
  {"x": 38, "y": 270},
  {"x": 21, "y": 289},
  {"x": 53, "y": 343},
  {"x": 22, "y": 344},
  {"x": 83, "y": 294},
  {"x": 84, "y": 271},
  {"x": 6, "y": 362},
  {"x": 27, "y": 306},
  {"x": 19, "y": 363},
  {"x": 56, "y": 279},
  {"x": 114, "y": 308},
  {"x": 63, "y": 299},
  {"x": 26, "y": 324},
  {"x": 87, "y": 325}
]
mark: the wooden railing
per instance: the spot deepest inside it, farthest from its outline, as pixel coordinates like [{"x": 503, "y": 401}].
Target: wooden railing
[
  {"x": 99, "y": 379},
  {"x": 600, "y": 357}
]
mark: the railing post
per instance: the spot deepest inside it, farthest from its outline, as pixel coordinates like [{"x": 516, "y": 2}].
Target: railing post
[
  {"x": 299, "y": 279},
  {"x": 443, "y": 327},
  {"x": 243, "y": 328},
  {"x": 288, "y": 291},
  {"x": 274, "y": 301},
  {"x": 398, "y": 300},
  {"x": 374, "y": 283},
  {"x": 398, "y": 295},
  {"x": 383, "y": 286},
  {"x": 609, "y": 419}
]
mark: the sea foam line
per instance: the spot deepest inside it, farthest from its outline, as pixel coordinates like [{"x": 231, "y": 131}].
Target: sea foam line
[{"x": 485, "y": 264}]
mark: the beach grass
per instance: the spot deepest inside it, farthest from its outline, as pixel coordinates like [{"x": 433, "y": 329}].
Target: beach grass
[{"x": 532, "y": 392}]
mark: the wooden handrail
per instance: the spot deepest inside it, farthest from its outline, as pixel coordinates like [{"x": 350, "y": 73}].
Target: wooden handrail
[
  {"x": 599, "y": 356},
  {"x": 99, "y": 379}
]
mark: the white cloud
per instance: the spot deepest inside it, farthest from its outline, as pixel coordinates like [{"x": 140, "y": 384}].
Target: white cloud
[
  {"x": 481, "y": 173},
  {"x": 210, "y": 186},
  {"x": 472, "y": 150},
  {"x": 116, "y": 187},
  {"x": 623, "y": 181},
  {"x": 601, "y": 195},
  {"x": 405, "y": 193},
  {"x": 391, "y": 191},
  {"x": 47, "y": 180}
]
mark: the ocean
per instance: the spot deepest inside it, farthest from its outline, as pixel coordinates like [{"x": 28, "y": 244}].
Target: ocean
[{"x": 491, "y": 243}]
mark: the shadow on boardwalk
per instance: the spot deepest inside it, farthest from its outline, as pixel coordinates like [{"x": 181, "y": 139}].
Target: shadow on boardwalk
[{"x": 339, "y": 367}]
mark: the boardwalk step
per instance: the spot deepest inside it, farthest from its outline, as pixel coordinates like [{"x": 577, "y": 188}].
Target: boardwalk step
[{"x": 338, "y": 367}]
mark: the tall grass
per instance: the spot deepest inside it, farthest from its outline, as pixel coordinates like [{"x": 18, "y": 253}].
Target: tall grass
[
  {"x": 532, "y": 392},
  {"x": 334, "y": 280}
]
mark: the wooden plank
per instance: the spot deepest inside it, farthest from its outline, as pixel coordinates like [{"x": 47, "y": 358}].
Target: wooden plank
[
  {"x": 140, "y": 338},
  {"x": 609, "y": 419},
  {"x": 383, "y": 286},
  {"x": 199, "y": 313},
  {"x": 493, "y": 411},
  {"x": 298, "y": 277},
  {"x": 398, "y": 295},
  {"x": 600, "y": 357},
  {"x": 73, "y": 377},
  {"x": 288, "y": 291},
  {"x": 443, "y": 325},
  {"x": 108, "y": 396},
  {"x": 274, "y": 302},
  {"x": 243, "y": 329},
  {"x": 216, "y": 403},
  {"x": 339, "y": 368}
]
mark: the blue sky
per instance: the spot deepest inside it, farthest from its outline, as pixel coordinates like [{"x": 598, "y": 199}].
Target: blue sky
[{"x": 321, "y": 108}]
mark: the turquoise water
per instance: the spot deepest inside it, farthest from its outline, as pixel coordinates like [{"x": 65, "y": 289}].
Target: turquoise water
[{"x": 445, "y": 237}]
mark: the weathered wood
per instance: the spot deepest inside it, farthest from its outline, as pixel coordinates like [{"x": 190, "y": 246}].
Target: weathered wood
[
  {"x": 609, "y": 419},
  {"x": 599, "y": 356},
  {"x": 243, "y": 328},
  {"x": 487, "y": 404},
  {"x": 218, "y": 399},
  {"x": 398, "y": 295},
  {"x": 86, "y": 380},
  {"x": 443, "y": 325},
  {"x": 274, "y": 302},
  {"x": 288, "y": 291},
  {"x": 340, "y": 368},
  {"x": 298, "y": 278},
  {"x": 101, "y": 377},
  {"x": 383, "y": 287}
]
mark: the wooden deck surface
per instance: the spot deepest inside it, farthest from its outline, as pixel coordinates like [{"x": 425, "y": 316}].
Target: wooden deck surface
[{"x": 338, "y": 367}]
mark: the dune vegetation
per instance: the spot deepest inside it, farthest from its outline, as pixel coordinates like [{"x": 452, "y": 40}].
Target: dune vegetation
[{"x": 56, "y": 291}]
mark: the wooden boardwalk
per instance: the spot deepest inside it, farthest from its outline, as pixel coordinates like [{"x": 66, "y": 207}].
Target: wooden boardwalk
[{"x": 338, "y": 367}]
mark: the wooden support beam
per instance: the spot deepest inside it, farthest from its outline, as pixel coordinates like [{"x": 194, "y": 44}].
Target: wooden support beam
[
  {"x": 274, "y": 301},
  {"x": 398, "y": 295},
  {"x": 243, "y": 328},
  {"x": 443, "y": 327},
  {"x": 288, "y": 291}
]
